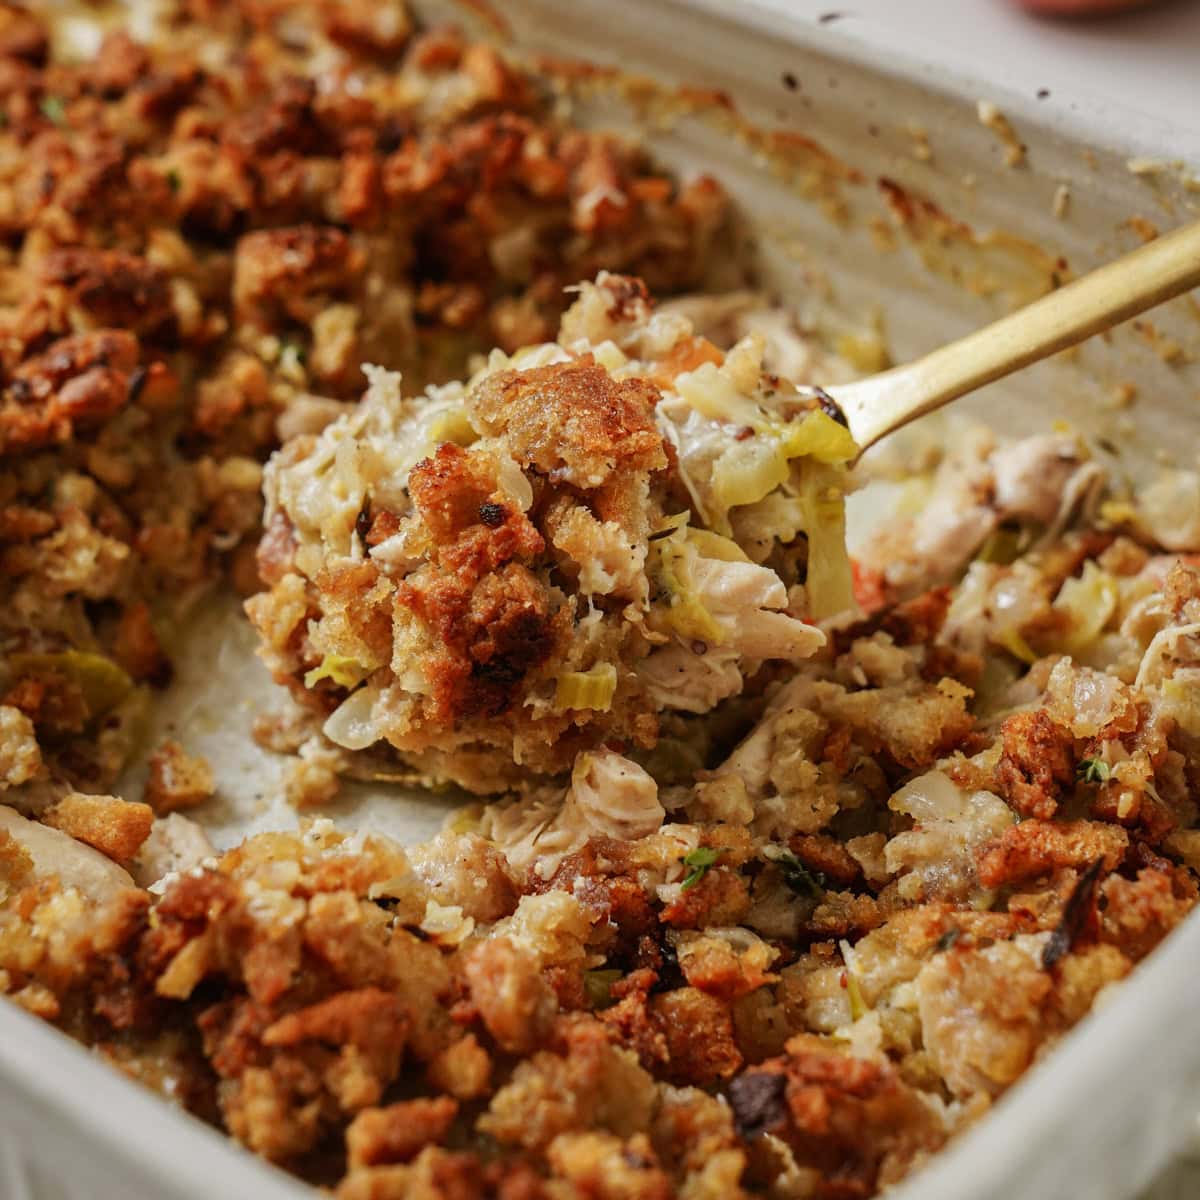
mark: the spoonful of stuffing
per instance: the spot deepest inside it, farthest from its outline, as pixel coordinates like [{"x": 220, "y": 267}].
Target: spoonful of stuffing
[
  {"x": 590, "y": 536},
  {"x": 1158, "y": 271}
]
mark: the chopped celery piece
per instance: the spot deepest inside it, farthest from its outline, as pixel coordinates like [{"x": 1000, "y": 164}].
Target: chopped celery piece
[
  {"x": 686, "y": 613},
  {"x": 345, "y": 672},
  {"x": 1088, "y": 601},
  {"x": 103, "y": 683},
  {"x": 592, "y": 689},
  {"x": 817, "y": 435},
  {"x": 748, "y": 471},
  {"x": 713, "y": 545},
  {"x": 830, "y": 581}
]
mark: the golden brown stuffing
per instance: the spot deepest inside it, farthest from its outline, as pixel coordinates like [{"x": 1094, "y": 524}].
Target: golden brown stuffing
[
  {"x": 535, "y": 585},
  {"x": 78, "y": 381},
  {"x": 399, "y": 1132},
  {"x": 115, "y": 827},
  {"x": 576, "y": 421},
  {"x": 514, "y": 1002},
  {"x": 215, "y": 228},
  {"x": 757, "y": 913},
  {"x": 855, "y": 1120},
  {"x": 177, "y": 780},
  {"x": 1035, "y": 764},
  {"x": 1037, "y": 847}
]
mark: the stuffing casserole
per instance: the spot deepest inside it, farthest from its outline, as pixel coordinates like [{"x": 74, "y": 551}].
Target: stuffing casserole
[
  {"x": 493, "y": 578},
  {"x": 780, "y": 869}
]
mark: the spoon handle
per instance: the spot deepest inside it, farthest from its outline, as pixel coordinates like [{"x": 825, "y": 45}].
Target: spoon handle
[{"x": 1161, "y": 269}]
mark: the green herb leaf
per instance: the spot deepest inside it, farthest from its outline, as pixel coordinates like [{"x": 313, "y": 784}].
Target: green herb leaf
[
  {"x": 799, "y": 878},
  {"x": 1093, "y": 770},
  {"x": 53, "y": 109},
  {"x": 598, "y": 986},
  {"x": 700, "y": 860},
  {"x": 173, "y": 180}
]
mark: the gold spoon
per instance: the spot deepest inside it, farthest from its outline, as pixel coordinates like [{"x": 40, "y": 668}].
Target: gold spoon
[{"x": 1157, "y": 271}]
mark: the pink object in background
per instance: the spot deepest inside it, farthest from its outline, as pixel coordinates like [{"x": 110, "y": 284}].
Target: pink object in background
[{"x": 1082, "y": 8}]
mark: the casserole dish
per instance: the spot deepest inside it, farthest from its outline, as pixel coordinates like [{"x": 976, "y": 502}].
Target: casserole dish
[{"x": 953, "y": 212}]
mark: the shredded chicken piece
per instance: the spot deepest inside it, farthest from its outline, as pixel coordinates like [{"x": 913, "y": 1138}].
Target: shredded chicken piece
[
  {"x": 977, "y": 487},
  {"x": 609, "y": 797},
  {"x": 59, "y": 855}
]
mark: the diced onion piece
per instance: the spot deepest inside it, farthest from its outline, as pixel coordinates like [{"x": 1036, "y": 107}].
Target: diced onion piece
[
  {"x": 709, "y": 390},
  {"x": 352, "y": 724},
  {"x": 56, "y": 853},
  {"x": 609, "y": 355},
  {"x": 452, "y": 425},
  {"x": 592, "y": 689}
]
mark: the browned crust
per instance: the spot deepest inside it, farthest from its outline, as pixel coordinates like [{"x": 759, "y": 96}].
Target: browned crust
[
  {"x": 177, "y": 780},
  {"x": 78, "y": 381},
  {"x": 1036, "y": 847},
  {"x": 474, "y": 528},
  {"x": 399, "y": 1132},
  {"x": 494, "y": 634},
  {"x": 573, "y": 417},
  {"x": 1037, "y": 762},
  {"x": 116, "y": 289},
  {"x": 115, "y": 827}
]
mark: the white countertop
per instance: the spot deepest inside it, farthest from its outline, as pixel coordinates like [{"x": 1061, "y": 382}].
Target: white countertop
[{"x": 1148, "y": 61}]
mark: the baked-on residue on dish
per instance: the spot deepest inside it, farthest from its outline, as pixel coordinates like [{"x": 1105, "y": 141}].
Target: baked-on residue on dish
[{"x": 784, "y": 868}]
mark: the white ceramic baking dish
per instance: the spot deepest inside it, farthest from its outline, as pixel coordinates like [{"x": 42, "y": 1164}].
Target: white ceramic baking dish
[{"x": 912, "y": 217}]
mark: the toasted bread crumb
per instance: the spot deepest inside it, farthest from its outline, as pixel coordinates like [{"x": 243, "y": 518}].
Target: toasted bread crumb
[
  {"x": 177, "y": 780},
  {"x": 117, "y": 828}
]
